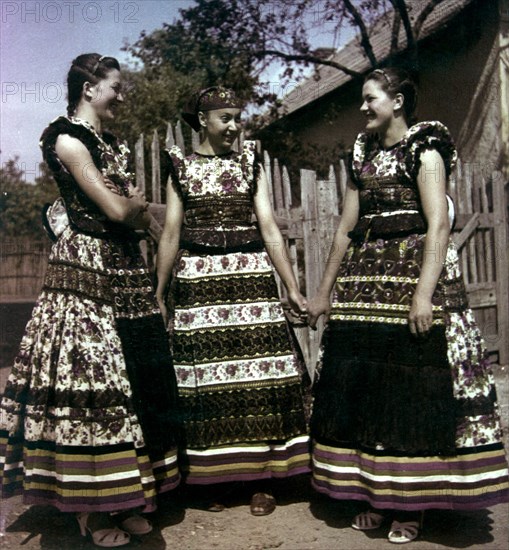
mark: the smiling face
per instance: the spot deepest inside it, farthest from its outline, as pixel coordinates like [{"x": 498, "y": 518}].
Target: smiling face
[
  {"x": 378, "y": 106},
  {"x": 222, "y": 127},
  {"x": 106, "y": 95}
]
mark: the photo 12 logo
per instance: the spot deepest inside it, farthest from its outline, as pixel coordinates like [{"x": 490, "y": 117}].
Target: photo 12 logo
[
  {"x": 70, "y": 12},
  {"x": 36, "y": 92}
]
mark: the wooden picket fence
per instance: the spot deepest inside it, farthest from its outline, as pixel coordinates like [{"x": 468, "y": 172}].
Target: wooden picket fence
[
  {"x": 22, "y": 266},
  {"x": 480, "y": 232}
]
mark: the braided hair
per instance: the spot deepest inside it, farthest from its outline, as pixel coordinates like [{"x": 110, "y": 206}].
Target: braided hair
[
  {"x": 397, "y": 81},
  {"x": 88, "y": 67}
]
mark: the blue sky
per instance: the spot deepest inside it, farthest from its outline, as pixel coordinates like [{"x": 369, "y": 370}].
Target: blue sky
[{"x": 38, "y": 41}]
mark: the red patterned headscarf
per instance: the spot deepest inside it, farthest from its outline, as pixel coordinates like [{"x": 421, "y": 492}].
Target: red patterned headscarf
[{"x": 209, "y": 99}]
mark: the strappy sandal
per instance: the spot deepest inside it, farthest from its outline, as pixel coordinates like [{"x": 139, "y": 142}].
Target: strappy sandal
[
  {"x": 215, "y": 507},
  {"x": 368, "y": 520},
  {"x": 262, "y": 504},
  {"x": 109, "y": 537},
  {"x": 133, "y": 523},
  {"x": 404, "y": 531}
]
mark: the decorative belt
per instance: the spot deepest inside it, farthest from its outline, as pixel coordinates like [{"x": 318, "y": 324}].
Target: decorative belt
[
  {"x": 388, "y": 225},
  {"x": 219, "y": 241}
]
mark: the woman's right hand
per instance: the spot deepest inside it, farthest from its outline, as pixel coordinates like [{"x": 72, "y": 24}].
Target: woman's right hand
[
  {"x": 111, "y": 186},
  {"x": 298, "y": 306},
  {"x": 317, "y": 306},
  {"x": 138, "y": 195},
  {"x": 164, "y": 310}
]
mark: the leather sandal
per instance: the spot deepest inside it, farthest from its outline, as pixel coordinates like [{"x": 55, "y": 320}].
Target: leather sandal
[
  {"x": 134, "y": 524},
  {"x": 368, "y": 520},
  {"x": 215, "y": 507},
  {"x": 109, "y": 537},
  {"x": 404, "y": 531},
  {"x": 262, "y": 504}
]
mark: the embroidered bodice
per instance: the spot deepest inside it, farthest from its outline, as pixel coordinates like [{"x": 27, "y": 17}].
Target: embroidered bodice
[
  {"x": 109, "y": 155},
  {"x": 389, "y": 201},
  {"x": 217, "y": 193}
]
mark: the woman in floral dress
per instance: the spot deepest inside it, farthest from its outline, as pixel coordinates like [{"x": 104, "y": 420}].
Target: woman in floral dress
[
  {"x": 87, "y": 418},
  {"x": 241, "y": 380},
  {"x": 405, "y": 415}
]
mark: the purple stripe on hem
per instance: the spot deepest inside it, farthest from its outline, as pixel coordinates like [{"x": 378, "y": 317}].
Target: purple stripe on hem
[
  {"x": 113, "y": 504},
  {"x": 191, "y": 480},
  {"x": 417, "y": 503},
  {"x": 228, "y": 459},
  {"x": 440, "y": 464}
]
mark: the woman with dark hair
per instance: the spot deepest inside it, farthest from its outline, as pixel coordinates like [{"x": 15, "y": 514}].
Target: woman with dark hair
[
  {"x": 88, "y": 414},
  {"x": 405, "y": 415},
  {"x": 241, "y": 379}
]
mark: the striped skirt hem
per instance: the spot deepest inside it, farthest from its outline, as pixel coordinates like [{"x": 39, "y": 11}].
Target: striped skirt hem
[
  {"x": 246, "y": 462},
  {"x": 85, "y": 479},
  {"x": 473, "y": 479}
]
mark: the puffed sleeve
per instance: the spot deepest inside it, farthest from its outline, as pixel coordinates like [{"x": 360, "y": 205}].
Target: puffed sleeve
[
  {"x": 431, "y": 135},
  {"x": 177, "y": 168},
  {"x": 60, "y": 126},
  {"x": 364, "y": 144}
]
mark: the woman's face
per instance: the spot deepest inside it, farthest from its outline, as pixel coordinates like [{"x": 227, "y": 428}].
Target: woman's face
[
  {"x": 222, "y": 127},
  {"x": 107, "y": 95},
  {"x": 377, "y": 106}
]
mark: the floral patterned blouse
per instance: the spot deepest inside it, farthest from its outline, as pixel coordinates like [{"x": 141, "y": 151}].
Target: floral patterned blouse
[
  {"x": 389, "y": 198},
  {"x": 217, "y": 192}
]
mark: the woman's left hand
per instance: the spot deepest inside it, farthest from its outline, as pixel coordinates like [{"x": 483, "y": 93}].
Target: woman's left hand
[
  {"x": 111, "y": 186},
  {"x": 298, "y": 305},
  {"x": 420, "y": 318}
]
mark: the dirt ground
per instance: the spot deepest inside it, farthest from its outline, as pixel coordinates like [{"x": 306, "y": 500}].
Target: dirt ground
[{"x": 303, "y": 519}]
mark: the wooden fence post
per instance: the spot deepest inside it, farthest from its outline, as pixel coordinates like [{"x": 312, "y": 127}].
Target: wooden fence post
[
  {"x": 195, "y": 140},
  {"x": 292, "y": 222},
  {"x": 139, "y": 160},
  {"x": 268, "y": 172},
  {"x": 170, "y": 139},
  {"x": 311, "y": 254},
  {"x": 179, "y": 137},
  {"x": 502, "y": 265},
  {"x": 156, "y": 168}
]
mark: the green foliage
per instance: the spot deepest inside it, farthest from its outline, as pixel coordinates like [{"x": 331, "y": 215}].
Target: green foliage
[
  {"x": 21, "y": 202},
  {"x": 153, "y": 99},
  {"x": 236, "y": 43},
  {"x": 213, "y": 43}
]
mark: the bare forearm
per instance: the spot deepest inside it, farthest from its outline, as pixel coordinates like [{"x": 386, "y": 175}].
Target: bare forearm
[
  {"x": 127, "y": 211},
  {"x": 435, "y": 251},
  {"x": 336, "y": 254},
  {"x": 166, "y": 254},
  {"x": 278, "y": 253}
]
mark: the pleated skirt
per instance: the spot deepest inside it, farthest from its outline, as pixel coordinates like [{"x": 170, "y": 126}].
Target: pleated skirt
[
  {"x": 70, "y": 435},
  {"x": 401, "y": 422},
  {"x": 241, "y": 377}
]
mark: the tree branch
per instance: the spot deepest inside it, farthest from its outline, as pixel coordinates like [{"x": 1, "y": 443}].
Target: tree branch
[
  {"x": 310, "y": 59},
  {"x": 400, "y": 7},
  {"x": 396, "y": 24},
  {"x": 419, "y": 22},
  {"x": 365, "y": 42}
]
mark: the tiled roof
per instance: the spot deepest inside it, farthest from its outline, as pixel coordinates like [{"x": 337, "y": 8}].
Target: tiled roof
[{"x": 352, "y": 55}]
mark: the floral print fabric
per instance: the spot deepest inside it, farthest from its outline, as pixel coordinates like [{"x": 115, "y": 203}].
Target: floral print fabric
[
  {"x": 240, "y": 374},
  {"x": 72, "y": 432},
  {"x": 384, "y": 401}
]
